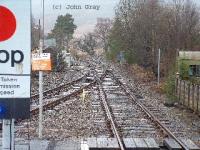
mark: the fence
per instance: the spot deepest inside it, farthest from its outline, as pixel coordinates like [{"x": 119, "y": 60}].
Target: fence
[{"x": 188, "y": 94}]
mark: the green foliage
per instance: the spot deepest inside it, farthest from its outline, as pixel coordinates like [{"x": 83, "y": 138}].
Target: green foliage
[
  {"x": 130, "y": 57},
  {"x": 184, "y": 67},
  {"x": 116, "y": 41},
  {"x": 142, "y": 24},
  {"x": 118, "y": 44},
  {"x": 119, "y": 41},
  {"x": 114, "y": 49},
  {"x": 63, "y": 29},
  {"x": 169, "y": 87}
]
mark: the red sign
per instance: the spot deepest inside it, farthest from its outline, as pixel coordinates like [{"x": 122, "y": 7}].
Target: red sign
[{"x": 7, "y": 23}]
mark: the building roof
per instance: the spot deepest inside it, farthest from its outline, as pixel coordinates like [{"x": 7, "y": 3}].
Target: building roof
[{"x": 191, "y": 55}]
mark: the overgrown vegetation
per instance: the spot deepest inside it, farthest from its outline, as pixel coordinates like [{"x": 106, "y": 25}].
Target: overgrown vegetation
[
  {"x": 184, "y": 67},
  {"x": 170, "y": 87},
  {"x": 141, "y": 27}
]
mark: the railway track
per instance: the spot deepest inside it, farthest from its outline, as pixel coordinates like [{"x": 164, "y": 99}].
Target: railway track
[
  {"x": 70, "y": 98},
  {"x": 115, "y": 110},
  {"x": 125, "y": 117},
  {"x": 55, "y": 96},
  {"x": 55, "y": 91},
  {"x": 128, "y": 117}
]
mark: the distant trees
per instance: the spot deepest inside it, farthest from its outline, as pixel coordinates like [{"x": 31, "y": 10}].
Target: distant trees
[
  {"x": 63, "y": 30},
  {"x": 89, "y": 43},
  {"x": 102, "y": 30},
  {"x": 98, "y": 38},
  {"x": 141, "y": 27}
]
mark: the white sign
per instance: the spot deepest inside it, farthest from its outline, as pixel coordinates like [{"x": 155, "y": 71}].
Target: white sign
[
  {"x": 41, "y": 62},
  {"x": 15, "y": 48},
  {"x": 13, "y": 87}
]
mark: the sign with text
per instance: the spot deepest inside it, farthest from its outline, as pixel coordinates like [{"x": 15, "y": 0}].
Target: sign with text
[
  {"x": 41, "y": 62},
  {"x": 15, "y": 65},
  {"x": 12, "y": 87}
]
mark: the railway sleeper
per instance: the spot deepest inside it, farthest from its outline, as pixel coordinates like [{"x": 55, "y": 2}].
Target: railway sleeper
[
  {"x": 129, "y": 143},
  {"x": 138, "y": 144},
  {"x": 171, "y": 144}
]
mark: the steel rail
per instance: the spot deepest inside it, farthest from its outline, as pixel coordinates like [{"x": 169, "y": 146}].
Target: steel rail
[
  {"x": 57, "y": 88},
  {"x": 52, "y": 104},
  {"x": 109, "y": 115},
  {"x": 149, "y": 113},
  {"x": 63, "y": 99}
]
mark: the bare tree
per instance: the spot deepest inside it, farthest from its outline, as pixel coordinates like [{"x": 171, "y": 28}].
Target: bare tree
[
  {"x": 141, "y": 27},
  {"x": 88, "y": 43},
  {"x": 102, "y": 30}
]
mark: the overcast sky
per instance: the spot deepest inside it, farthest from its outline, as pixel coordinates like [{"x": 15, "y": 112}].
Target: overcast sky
[{"x": 84, "y": 19}]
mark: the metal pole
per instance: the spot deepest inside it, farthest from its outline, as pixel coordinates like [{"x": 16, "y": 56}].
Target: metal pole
[
  {"x": 41, "y": 81},
  {"x": 13, "y": 134},
  {"x": 158, "y": 66},
  {"x": 40, "y": 103},
  {"x": 43, "y": 22},
  {"x": 8, "y": 134}
]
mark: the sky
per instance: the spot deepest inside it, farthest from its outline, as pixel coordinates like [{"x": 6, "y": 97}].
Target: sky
[{"x": 85, "y": 19}]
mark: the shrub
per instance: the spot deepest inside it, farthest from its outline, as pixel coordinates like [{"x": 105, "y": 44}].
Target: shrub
[
  {"x": 170, "y": 86},
  {"x": 184, "y": 70}
]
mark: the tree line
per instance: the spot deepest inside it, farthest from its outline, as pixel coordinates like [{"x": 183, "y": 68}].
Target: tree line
[
  {"x": 141, "y": 27},
  {"x": 62, "y": 32}
]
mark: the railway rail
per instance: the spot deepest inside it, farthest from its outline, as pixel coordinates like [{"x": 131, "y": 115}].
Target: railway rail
[
  {"x": 125, "y": 114},
  {"x": 110, "y": 118},
  {"x": 148, "y": 112},
  {"x": 52, "y": 92},
  {"x": 57, "y": 90},
  {"x": 51, "y": 105}
]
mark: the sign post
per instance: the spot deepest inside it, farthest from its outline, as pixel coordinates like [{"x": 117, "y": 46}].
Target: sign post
[
  {"x": 41, "y": 80},
  {"x": 15, "y": 47},
  {"x": 41, "y": 62},
  {"x": 40, "y": 103}
]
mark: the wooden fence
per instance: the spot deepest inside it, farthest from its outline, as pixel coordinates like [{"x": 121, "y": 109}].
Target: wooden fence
[{"x": 188, "y": 94}]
